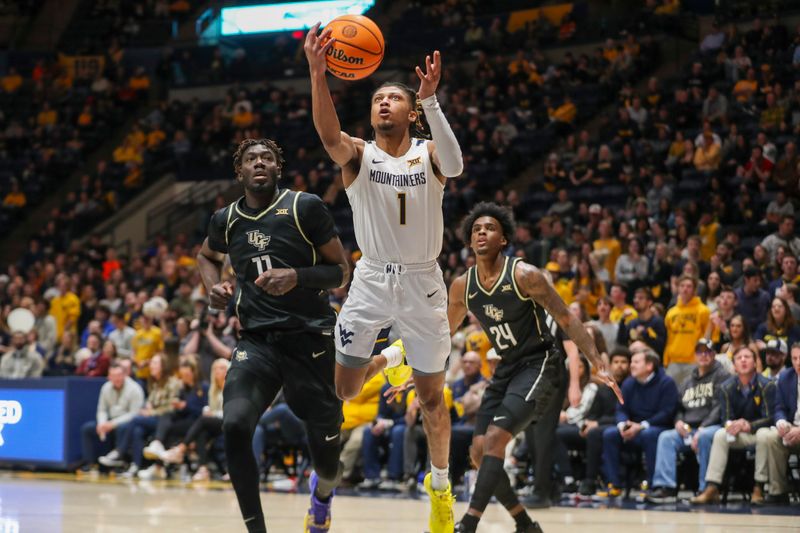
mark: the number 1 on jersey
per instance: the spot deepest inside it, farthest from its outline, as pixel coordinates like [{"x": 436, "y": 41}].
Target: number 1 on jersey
[
  {"x": 401, "y": 197},
  {"x": 263, "y": 263},
  {"x": 501, "y": 332}
]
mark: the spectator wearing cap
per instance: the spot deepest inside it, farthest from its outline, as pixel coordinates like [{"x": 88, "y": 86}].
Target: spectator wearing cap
[
  {"x": 779, "y": 325},
  {"x": 697, "y": 420},
  {"x": 783, "y": 237},
  {"x": 651, "y": 399},
  {"x": 752, "y": 302},
  {"x": 775, "y": 358},
  {"x": 686, "y": 323},
  {"x": 747, "y": 404},
  {"x": 647, "y": 327},
  {"x": 779, "y": 441}
]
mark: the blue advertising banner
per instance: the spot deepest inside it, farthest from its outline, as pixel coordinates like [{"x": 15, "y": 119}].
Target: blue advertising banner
[{"x": 32, "y": 425}]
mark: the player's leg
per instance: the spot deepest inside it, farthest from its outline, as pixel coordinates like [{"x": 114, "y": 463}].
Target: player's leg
[
  {"x": 250, "y": 387},
  {"x": 308, "y": 365},
  {"x": 529, "y": 393},
  {"x": 364, "y": 314}
]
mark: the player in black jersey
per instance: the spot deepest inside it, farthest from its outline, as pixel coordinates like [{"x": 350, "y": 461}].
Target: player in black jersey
[
  {"x": 285, "y": 252},
  {"x": 520, "y": 310}
]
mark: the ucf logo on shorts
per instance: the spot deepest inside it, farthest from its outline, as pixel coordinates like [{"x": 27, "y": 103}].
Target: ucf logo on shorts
[
  {"x": 493, "y": 312},
  {"x": 258, "y": 239}
]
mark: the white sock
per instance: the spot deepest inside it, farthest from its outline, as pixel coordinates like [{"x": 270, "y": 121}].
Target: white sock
[
  {"x": 440, "y": 477},
  {"x": 393, "y": 355}
]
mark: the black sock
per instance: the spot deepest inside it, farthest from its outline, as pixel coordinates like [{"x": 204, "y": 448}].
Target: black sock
[
  {"x": 522, "y": 518},
  {"x": 490, "y": 476},
  {"x": 470, "y": 523}
]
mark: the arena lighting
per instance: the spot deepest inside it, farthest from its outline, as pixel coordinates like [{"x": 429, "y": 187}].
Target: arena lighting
[{"x": 286, "y": 17}]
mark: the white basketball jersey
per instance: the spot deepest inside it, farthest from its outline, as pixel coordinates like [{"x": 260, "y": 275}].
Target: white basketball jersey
[{"x": 397, "y": 205}]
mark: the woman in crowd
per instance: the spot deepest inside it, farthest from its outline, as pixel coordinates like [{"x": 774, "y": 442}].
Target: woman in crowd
[
  {"x": 162, "y": 391},
  {"x": 780, "y": 325},
  {"x": 206, "y": 428},
  {"x": 586, "y": 288}
]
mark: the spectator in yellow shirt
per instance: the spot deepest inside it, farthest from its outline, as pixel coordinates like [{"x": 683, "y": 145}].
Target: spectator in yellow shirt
[
  {"x": 127, "y": 153},
  {"x": 607, "y": 241},
  {"x": 708, "y": 229},
  {"x": 565, "y": 113},
  {"x": 146, "y": 342},
  {"x": 621, "y": 310},
  {"x": 744, "y": 89},
  {"x": 85, "y": 118},
  {"x": 139, "y": 82},
  {"x": 686, "y": 323},
  {"x": 15, "y": 198},
  {"x": 66, "y": 307},
  {"x": 47, "y": 116},
  {"x": 707, "y": 154},
  {"x": 12, "y": 81}
]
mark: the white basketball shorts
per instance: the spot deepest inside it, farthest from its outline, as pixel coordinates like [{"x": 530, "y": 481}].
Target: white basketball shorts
[{"x": 411, "y": 299}]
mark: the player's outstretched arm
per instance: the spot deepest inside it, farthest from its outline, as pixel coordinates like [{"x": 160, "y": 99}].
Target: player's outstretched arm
[
  {"x": 210, "y": 262},
  {"x": 339, "y": 145},
  {"x": 445, "y": 152},
  {"x": 535, "y": 285},
  {"x": 456, "y": 305}
]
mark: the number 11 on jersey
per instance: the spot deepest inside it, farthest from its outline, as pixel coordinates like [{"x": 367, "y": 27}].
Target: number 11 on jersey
[{"x": 263, "y": 263}]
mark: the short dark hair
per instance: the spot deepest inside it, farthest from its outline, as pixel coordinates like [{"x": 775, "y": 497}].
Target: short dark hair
[
  {"x": 651, "y": 357},
  {"x": 269, "y": 144},
  {"x": 488, "y": 209},
  {"x": 647, "y": 293},
  {"x": 620, "y": 352},
  {"x": 622, "y": 286}
]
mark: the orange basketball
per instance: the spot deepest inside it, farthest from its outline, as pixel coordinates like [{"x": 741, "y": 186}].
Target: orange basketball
[{"x": 358, "y": 48}]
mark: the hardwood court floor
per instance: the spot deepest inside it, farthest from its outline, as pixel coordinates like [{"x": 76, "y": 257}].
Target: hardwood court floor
[{"x": 58, "y": 505}]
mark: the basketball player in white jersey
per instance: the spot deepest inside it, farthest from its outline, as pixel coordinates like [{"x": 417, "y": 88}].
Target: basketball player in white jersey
[{"x": 395, "y": 186}]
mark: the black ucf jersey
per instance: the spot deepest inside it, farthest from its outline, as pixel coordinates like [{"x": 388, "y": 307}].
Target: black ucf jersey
[
  {"x": 517, "y": 326},
  {"x": 283, "y": 235}
]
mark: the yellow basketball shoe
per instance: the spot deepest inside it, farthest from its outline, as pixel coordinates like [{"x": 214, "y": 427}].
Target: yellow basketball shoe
[
  {"x": 399, "y": 373},
  {"x": 441, "y": 519}
]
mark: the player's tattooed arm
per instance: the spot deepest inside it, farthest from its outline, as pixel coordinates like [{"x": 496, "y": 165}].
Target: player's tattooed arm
[
  {"x": 210, "y": 264},
  {"x": 534, "y": 284},
  {"x": 456, "y": 305}
]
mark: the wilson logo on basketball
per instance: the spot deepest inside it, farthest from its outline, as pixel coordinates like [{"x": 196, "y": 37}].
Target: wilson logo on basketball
[{"x": 339, "y": 55}]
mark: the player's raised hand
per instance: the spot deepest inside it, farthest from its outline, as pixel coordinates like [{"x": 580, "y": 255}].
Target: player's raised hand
[
  {"x": 221, "y": 293},
  {"x": 429, "y": 80},
  {"x": 277, "y": 281},
  {"x": 316, "y": 47}
]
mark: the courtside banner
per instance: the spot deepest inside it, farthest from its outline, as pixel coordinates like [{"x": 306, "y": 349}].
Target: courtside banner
[{"x": 32, "y": 425}]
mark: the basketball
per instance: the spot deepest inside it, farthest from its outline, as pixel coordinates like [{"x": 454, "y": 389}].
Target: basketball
[{"x": 358, "y": 48}]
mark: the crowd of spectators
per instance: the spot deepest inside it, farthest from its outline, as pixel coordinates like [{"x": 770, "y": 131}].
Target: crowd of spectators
[{"x": 671, "y": 233}]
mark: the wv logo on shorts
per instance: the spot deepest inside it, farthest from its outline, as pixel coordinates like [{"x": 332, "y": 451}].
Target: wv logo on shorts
[
  {"x": 345, "y": 335},
  {"x": 493, "y": 312},
  {"x": 258, "y": 239},
  {"x": 241, "y": 355}
]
